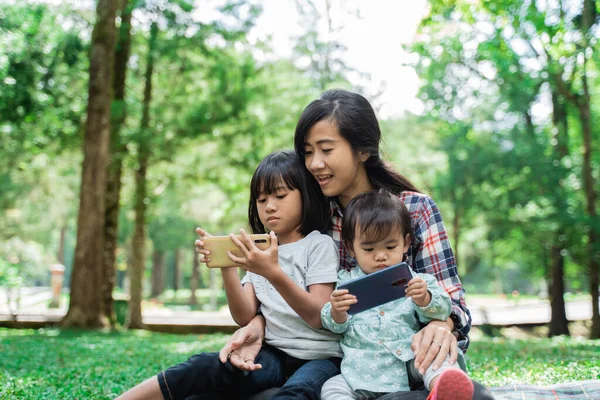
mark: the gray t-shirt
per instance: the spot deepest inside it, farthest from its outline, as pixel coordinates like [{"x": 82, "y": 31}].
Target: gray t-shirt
[{"x": 311, "y": 260}]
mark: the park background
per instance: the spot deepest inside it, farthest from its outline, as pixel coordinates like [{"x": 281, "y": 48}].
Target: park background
[{"x": 126, "y": 124}]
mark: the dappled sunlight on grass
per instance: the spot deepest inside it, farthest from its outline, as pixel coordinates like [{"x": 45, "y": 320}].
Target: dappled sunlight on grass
[
  {"x": 538, "y": 361},
  {"x": 75, "y": 364}
]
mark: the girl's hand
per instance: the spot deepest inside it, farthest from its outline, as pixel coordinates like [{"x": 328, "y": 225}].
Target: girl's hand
[
  {"x": 417, "y": 290},
  {"x": 204, "y": 254},
  {"x": 262, "y": 262},
  {"x": 341, "y": 301}
]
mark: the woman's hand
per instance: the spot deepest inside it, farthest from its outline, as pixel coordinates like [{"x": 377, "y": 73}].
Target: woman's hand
[
  {"x": 433, "y": 344},
  {"x": 341, "y": 301},
  {"x": 203, "y": 253},
  {"x": 262, "y": 262},
  {"x": 242, "y": 348}
]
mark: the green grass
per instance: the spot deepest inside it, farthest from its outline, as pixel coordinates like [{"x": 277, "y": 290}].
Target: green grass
[
  {"x": 497, "y": 362},
  {"x": 54, "y": 364}
]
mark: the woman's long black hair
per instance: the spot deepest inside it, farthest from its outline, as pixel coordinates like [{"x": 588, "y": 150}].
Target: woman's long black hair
[
  {"x": 284, "y": 167},
  {"x": 357, "y": 123}
]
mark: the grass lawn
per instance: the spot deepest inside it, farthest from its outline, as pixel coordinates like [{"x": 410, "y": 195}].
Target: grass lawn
[{"x": 54, "y": 364}]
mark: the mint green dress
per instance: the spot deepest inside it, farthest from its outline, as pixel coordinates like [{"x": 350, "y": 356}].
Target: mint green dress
[{"x": 376, "y": 342}]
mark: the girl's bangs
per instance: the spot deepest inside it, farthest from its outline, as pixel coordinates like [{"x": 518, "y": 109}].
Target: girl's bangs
[{"x": 269, "y": 180}]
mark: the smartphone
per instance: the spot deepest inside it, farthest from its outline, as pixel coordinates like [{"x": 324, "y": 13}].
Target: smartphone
[
  {"x": 218, "y": 246},
  {"x": 379, "y": 287}
]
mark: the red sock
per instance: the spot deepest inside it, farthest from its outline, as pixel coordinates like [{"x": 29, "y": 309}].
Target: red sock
[{"x": 452, "y": 384}]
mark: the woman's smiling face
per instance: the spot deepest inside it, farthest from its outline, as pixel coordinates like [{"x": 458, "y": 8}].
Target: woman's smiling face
[{"x": 333, "y": 162}]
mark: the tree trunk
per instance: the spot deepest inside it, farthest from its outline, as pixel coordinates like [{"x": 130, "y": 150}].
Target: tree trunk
[
  {"x": 141, "y": 203},
  {"x": 201, "y": 282},
  {"x": 60, "y": 256},
  {"x": 85, "y": 305},
  {"x": 213, "y": 289},
  {"x": 584, "y": 107},
  {"x": 590, "y": 196},
  {"x": 115, "y": 166},
  {"x": 194, "y": 280},
  {"x": 583, "y": 103},
  {"x": 158, "y": 273},
  {"x": 176, "y": 271},
  {"x": 559, "y": 325},
  {"x": 593, "y": 265},
  {"x": 138, "y": 246}
]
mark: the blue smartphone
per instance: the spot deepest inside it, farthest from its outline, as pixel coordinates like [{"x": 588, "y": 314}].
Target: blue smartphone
[{"x": 379, "y": 287}]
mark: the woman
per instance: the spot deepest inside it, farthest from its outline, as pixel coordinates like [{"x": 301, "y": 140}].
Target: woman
[{"x": 338, "y": 137}]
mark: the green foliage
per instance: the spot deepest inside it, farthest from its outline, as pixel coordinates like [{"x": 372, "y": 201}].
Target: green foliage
[
  {"x": 23, "y": 263},
  {"x": 492, "y": 83},
  {"x": 40, "y": 105},
  {"x": 322, "y": 60},
  {"x": 507, "y": 180},
  {"x": 43, "y": 80},
  {"x": 9, "y": 274}
]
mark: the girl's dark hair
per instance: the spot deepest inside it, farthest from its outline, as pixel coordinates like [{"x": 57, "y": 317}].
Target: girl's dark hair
[
  {"x": 283, "y": 167},
  {"x": 377, "y": 214},
  {"x": 357, "y": 123}
]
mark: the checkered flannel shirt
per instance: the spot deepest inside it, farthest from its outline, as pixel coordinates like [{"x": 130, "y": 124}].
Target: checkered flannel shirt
[{"x": 430, "y": 253}]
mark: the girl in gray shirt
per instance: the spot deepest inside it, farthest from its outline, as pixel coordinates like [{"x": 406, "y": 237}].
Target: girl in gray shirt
[{"x": 289, "y": 283}]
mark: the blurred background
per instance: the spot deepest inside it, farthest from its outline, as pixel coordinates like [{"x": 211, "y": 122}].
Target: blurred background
[{"x": 126, "y": 124}]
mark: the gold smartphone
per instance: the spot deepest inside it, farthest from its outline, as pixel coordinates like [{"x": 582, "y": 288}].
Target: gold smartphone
[{"x": 218, "y": 246}]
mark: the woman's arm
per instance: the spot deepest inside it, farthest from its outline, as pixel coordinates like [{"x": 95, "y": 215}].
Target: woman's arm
[
  {"x": 244, "y": 345},
  {"x": 434, "y": 256},
  {"x": 241, "y": 300}
]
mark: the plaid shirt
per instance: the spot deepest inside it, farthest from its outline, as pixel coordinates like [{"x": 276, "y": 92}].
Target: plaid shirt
[{"x": 430, "y": 254}]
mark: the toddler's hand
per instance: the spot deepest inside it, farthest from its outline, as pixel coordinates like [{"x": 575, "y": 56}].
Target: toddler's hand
[
  {"x": 417, "y": 290},
  {"x": 341, "y": 301}
]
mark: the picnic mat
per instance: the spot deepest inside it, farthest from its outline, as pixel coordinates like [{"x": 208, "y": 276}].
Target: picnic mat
[
  {"x": 563, "y": 391},
  {"x": 567, "y": 391}
]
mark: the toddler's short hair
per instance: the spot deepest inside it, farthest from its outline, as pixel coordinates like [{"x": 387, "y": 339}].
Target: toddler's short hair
[{"x": 375, "y": 214}]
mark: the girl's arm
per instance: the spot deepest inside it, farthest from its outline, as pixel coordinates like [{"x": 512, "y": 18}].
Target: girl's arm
[
  {"x": 322, "y": 264},
  {"x": 241, "y": 300},
  {"x": 307, "y": 304}
]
